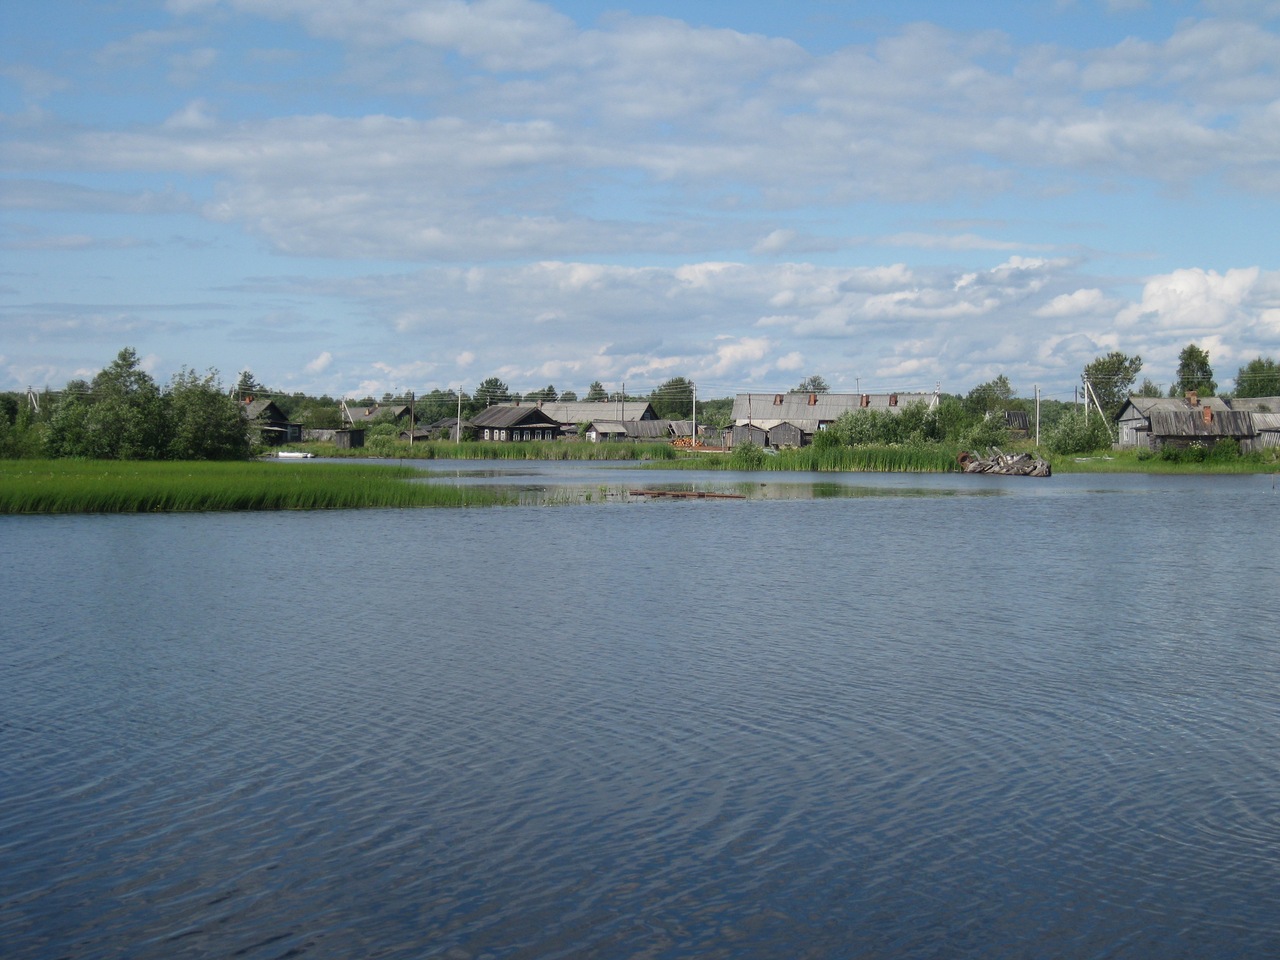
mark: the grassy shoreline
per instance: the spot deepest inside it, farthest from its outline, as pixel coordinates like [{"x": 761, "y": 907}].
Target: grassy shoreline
[
  {"x": 100, "y": 486},
  {"x": 88, "y": 486}
]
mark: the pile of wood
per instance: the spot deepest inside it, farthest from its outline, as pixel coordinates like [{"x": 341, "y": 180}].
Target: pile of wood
[
  {"x": 683, "y": 442},
  {"x": 1004, "y": 464}
]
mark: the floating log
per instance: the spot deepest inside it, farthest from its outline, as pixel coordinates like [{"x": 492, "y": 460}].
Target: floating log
[
  {"x": 695, "y": 494},
  {"x": 1004, "y": 464}
]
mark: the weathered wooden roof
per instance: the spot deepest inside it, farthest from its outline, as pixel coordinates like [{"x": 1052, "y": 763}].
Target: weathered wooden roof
[
  {"x": 582, "y": 411},
  {"x": 503, "y": 415},
  {"x": 799, "y": 408},
  {"x": 1268, "y": 422},
  {"x": 1144, "y": 407},
  {"x": 1256, "y": 404},
  {"x": 262, "y": 410},
  {"x": 1191, "y": 423},
  {"x": 376, "y": 412}
]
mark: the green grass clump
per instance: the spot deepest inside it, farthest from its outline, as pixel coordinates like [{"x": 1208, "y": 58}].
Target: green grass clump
[
  {"x": 924, "y": 458},
  {"x": 91, "y": 486}
]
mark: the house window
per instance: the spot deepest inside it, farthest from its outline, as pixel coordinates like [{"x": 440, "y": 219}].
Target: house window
[
  {"x": 526, "y": 434},
  {"x": 502, "y": 435},
  {"x": 486, "y": 433}
]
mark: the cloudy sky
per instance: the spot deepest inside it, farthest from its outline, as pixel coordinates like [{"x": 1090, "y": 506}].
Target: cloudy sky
[{"x": 377, "y": 195}]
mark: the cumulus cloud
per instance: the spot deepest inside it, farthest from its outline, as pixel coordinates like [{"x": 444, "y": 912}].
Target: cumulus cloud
[
  {"x": 616, "y": 183},
  {"x": 1191, "y": 301}
]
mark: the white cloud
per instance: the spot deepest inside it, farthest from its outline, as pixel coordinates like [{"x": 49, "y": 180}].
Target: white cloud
[{"x": 320, "y": 364}]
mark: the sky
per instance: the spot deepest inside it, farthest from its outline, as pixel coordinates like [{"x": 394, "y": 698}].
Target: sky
[{"x": 373, "y": 196}]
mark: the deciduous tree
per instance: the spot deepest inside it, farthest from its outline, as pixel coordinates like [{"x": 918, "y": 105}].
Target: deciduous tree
[
  {"x": 1194, "y": 373},
  {"x": 811, "y": 384},
  {"x": 1259, "y": 377},
  {"x": 1111, "y": 378}
]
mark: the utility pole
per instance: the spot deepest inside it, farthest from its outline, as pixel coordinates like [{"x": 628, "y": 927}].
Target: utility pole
[
  {"x": 694, "y": 436},
  {"x": 457, "y": 427},
  {"x": 1037, "y": 396},
  {"x": 412, "y": 423}
]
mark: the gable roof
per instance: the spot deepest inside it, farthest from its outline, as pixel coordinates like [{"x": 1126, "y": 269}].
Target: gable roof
[
  {"x": 802, "y": 408},
  {"x": 583, "y": 411},
  {"x": 1256, "y": 404},
  {"x": 376, "y": 412},
  {"x": 1144, "y": 407},
  {"x": 503, "y": 415},
  {"x": 1191, "y": 423},
  {"x": 262, "y": 410}
]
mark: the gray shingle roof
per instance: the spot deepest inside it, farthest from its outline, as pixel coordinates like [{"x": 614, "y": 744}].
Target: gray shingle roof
[
  {"x": 581, "y": 411},
  {"x": 774, "y": 408}
]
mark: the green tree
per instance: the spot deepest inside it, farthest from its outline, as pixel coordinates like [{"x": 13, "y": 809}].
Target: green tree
[
  {"x": 1149, "y": 389},
  {"x": 596, "y": 392},
  {"x": 569, "y": 396},
  {"x": 1111, "y": 378},
  {"x": 247, "y": 385},
  {"x": 126, "y": 417},
  {"x": 205, "y": 422},
  {"x": 546, "y": 395},
  {"x": 1078, "y": 432},
  {"x": 990, "y": 397},
  {"x": 1259, "y": 377},
  {"x": 1194, "y": 373},
  {"x": 673, "y": 399},
  {"x": 811, "y": 384},
  {"x": 491, "y": 391}
]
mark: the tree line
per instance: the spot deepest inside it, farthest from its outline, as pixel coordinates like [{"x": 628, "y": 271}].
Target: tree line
[{"x": 123, "y": 413}]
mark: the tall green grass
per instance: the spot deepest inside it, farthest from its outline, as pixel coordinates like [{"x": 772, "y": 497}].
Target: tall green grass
[
  {"x": 481, "y": 450},
  {"x": 87, "y": 486},
  {"x": 862, "y": 459}
]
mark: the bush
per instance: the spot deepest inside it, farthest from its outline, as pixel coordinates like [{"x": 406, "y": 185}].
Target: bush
[
  {"x": 989, "y": 432},
  {"x": 1078, "y": 432},
  {"x": 747, "y": 456}
]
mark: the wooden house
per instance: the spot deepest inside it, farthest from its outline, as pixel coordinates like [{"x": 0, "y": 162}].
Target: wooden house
[
  {"x": 570, "y": 414},
  {"x": 365, "y": 416},
  {"x": 513, "y": 422},
  {"x": 808, "y": 413},
  {"x": 1135, "y": 417},
  {"x": 268, "y": 424}
]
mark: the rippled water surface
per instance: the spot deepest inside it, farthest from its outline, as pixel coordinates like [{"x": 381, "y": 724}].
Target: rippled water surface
[{"x": 944, "y": 717}]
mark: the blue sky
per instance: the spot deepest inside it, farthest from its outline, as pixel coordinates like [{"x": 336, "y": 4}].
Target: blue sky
[{"x": 369, "y": 196}]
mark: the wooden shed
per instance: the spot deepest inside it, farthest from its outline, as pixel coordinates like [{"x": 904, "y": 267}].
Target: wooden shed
[{"x": 785, "y": 434}]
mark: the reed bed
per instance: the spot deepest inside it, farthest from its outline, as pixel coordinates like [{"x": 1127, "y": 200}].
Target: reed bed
[
  {"x": 862, "y": 459},
  {"x": 481, "y": 450},
  {"x": 84, "y": 486}
]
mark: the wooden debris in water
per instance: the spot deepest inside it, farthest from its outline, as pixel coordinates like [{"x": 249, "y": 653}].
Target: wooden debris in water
[
  {"x": 697, "y": 494},
  {"x": 1004, "y": 464}
]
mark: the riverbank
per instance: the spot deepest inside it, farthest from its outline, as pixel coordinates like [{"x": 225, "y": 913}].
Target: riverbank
[{"x": 94, "y": 486}]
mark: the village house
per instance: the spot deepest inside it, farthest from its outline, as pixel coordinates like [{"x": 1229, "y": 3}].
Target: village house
[
  {"x": 792, "y": 419},
  {"x": 511, "y": 423},
  {"x": 570, "y": 414},
  {"x": 267, "y": 423},
  {"x": 1152, "y": 423},
  {"x": 366, "y": 416}
]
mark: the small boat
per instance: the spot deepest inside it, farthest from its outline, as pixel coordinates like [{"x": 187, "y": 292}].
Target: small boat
[{"x": 294, "y": 455}]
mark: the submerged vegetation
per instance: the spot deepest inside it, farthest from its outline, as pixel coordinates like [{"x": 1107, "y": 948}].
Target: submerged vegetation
[{"x": 98, "y": 486}]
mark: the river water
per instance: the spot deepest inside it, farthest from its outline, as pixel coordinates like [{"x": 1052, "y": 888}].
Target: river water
[{"x": 876, "y": 716}]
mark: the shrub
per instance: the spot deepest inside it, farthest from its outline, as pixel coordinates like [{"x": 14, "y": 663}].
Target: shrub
[
  {"x": 1078, "y": 432},
  {"x": 747, "y": 456}
]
